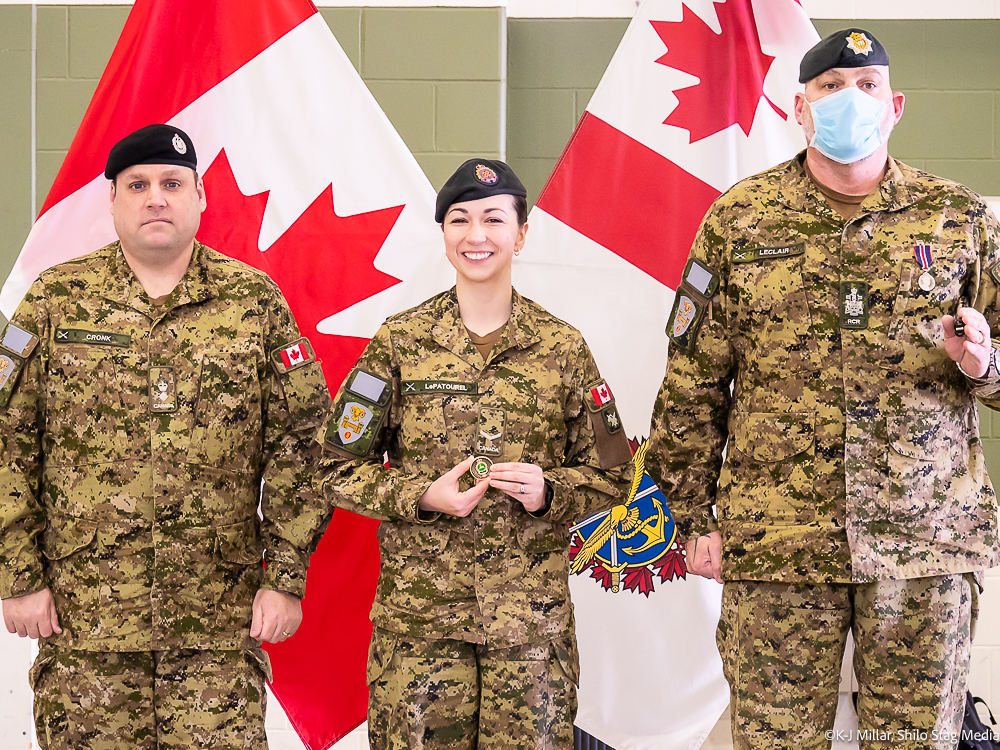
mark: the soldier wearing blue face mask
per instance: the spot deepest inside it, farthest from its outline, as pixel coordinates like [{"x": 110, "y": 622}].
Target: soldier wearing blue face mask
[{"x": 817, "y": 429}]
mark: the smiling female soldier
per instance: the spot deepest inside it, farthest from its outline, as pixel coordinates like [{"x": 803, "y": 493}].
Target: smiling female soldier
[{"x": 499, "y": 432}]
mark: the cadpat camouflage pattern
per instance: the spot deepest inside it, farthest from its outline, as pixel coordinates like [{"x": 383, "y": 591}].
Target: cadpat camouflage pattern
[
  {"x": 500, "y": 575},
  {"x": 136, "y": 442},
  {"x": 781, "y": 648},
  {"x": 105, "y": 700},
  {"x": 853, "y": 442}
]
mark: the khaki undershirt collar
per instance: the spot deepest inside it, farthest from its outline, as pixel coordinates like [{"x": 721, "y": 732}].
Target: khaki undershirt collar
[
  {"x": 845, "y": 205},
  {"x": 486, "y": 342}
]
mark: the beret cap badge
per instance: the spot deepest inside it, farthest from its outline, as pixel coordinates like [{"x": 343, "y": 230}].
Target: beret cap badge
[
  {"x": 152, "y": 144},
  {"x": 475, "y": 179},
  {"x": 861, "y": 44},
  {"x": 486, "y": 175}
]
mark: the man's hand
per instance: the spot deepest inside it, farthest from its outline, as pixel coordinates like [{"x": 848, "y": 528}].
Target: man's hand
[
  {"x": 31, "y": 615},
  {"x": 443, "y": 496},
  {"x": 523, "y": 482},
  {"x": 972, "y": 351},
  {"x": 276, "y": 616},
  {"x": 704, "y": 556}
]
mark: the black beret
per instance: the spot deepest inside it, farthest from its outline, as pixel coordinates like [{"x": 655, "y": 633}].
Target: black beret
[
  {"x": 153, "y": 144},
  {"x": 850, "y": 48},
  {"x": 477, "y": 178}
]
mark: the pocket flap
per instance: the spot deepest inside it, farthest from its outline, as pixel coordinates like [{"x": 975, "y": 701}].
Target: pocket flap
[
  {"x": 240, "y": 543},
  {"x": 413, "y": 539},
  {"x": 65, "y": 535},
  {"x": 42, "y": 662},
  {"x": 926, "y": 435},
  {"x": 767, "y": 436},
  {"x": 537, "y": 536}
]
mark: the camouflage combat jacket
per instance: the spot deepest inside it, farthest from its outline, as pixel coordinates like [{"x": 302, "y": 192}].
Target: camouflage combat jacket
[
  {"x": 811, "y": 348},
  {"x": 500, "y": 575},
  {"x": 137, "y": 443}
]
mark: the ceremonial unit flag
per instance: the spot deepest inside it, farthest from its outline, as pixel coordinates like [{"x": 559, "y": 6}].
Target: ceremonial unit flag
[
  {"x": 307, "y": 180},
  {"x": 698, "y": 95}
]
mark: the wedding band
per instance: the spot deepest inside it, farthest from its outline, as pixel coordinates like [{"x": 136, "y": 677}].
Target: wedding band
[
  {"x": 286, "y": 634},
  {"x": 522, "y": 489}
]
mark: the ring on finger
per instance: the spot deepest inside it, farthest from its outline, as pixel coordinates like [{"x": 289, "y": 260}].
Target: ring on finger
[{"x": 522, "y": 489}]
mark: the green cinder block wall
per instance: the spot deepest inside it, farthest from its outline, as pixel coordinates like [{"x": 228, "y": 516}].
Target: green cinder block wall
[{"x": 439, "y": 75}]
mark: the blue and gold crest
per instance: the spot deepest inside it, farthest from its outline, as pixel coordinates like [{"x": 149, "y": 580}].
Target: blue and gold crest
[{"x": 627, "y": 546}]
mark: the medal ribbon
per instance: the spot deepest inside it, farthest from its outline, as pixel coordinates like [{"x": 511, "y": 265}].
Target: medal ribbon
[{"x": 923, "y": 255}]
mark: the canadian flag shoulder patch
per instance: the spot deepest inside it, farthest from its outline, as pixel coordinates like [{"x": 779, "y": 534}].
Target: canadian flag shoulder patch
[
  {"x": 599, "y": 395},
  {"x": 297, "y": 354}
]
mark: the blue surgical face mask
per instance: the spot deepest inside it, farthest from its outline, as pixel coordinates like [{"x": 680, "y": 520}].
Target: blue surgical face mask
[{"x": 848, "y": 125}]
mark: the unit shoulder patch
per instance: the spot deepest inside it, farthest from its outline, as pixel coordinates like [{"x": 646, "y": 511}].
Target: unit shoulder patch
[
  {"x": 361, "y": 411},
  {"x": 10, "y": 368},
  {"x": 297, "y": 354},
  {"x": 685, "y": 320},
  {"x": 16, "y": 346}
]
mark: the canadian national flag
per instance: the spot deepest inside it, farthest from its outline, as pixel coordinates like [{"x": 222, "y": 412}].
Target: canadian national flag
[
  {"x": 307, "y": 180},
  {"x": 601, "y": 394},
  {"x": 698, "y": 95},
  {"x": 294, "y": 355}
]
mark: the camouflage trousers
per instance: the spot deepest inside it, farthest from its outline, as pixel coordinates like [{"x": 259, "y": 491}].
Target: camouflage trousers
[
  {"x": 782, "y": 647},
  {"x": 461, "y": 696},
  {"x": 150, "y": 700}
]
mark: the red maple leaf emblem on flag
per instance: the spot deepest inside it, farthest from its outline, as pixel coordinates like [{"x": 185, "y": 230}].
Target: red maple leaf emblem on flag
[
  {"x": 730, "y": 67},
  {"x": 323, "y": 262}
]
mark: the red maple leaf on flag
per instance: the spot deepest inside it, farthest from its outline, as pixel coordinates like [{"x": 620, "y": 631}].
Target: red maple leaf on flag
[
  {"x": 730, "y": 68},
  {"x": 323, "y": 263}
]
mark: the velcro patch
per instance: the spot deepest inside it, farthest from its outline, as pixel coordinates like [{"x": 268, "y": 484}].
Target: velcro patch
[
  {"x": 753, "y": 254},
  {"x": 100, "y": 338},
  {"x": 297, "y": 354},
  {"x": 701, "y": 278},
  {"x": 415, "y": 387},
  {"x": 372, "y": 387},
  {"x": 18, "y": 341}
]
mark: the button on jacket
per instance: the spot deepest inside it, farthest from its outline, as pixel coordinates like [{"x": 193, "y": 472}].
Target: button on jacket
[
  {"x": 138, "y": 443},
  {"x": 853, "y": 439}
]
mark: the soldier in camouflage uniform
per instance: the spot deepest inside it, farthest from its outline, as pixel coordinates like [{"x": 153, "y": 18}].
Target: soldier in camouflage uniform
[
  {"x": 153, "y": 394},
  {"x": 814, "y": 338},
  {"x": 474, "y": 641}
]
